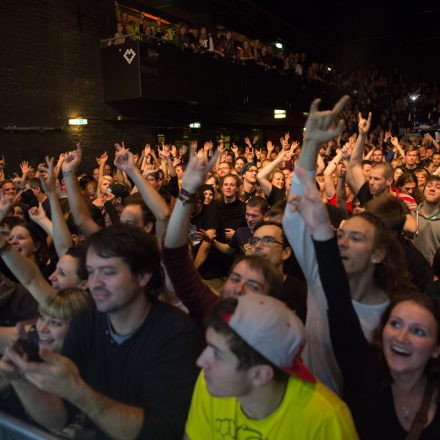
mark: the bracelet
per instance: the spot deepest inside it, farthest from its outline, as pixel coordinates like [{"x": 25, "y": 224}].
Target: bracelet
[
  {"x": 186, "y": 197},
  {"x": 5, "y": 248}
]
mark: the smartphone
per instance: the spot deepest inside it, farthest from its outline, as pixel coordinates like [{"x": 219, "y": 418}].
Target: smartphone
[{"x": 29, "y": 347}]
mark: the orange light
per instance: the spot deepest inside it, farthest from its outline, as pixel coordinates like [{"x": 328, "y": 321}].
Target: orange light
[{"x": 153, "y": 17}]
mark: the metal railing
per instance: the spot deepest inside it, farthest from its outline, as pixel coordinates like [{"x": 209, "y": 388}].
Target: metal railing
[{"x": 12, "y": 428}]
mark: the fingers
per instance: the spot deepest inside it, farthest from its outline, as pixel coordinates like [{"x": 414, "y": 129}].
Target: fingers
[
  {"x": 369, "y": 118},
  {"x": 314, "y": 106},
  {"x": 338, "y": 107}
]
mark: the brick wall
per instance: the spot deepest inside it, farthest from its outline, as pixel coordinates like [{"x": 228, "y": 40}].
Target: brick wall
[{"x": 50, "y": 71}]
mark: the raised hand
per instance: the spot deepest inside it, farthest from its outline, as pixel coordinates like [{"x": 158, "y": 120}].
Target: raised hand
[
  {"x": 196, "y": 170},
  {"x": 24, "y": 166},
  {"x": 165, "y": 151},
  {"x": 364, "y": 124},
  {"x": 247, "y": 141},
  {"x": 37, "y": 214},
  {"x": 321, "y": 126},
  {"x": 395, "y": 141},
  {"x": 270, "y": 147},
  {"x": 235, "y": 150},
  {"x": 72, "y": 161},
  {"x": 47, "y": 176},
  {"x": 124, "y": 160},
  {"x": 101, "y": 160}
]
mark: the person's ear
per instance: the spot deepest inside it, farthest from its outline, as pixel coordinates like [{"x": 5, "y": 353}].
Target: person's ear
[
  {"x": 83, "y": 284},
  {"x": 261, "y": 374},
  {"x": 287, "y": 252},
  {"x": 144, "y": 279},
  {"x": 149, "y": 227},
  {"x": 377, "y": 256}
]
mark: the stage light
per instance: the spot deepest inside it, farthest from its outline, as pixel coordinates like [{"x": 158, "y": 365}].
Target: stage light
[
  {"x": 195, "y": 125},
  {"x": 278, "y": 45}
]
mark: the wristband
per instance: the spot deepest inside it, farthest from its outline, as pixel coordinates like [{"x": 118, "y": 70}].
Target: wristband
[{"x": 186, "y": 197}]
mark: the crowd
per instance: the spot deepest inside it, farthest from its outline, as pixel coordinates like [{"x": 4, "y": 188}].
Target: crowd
[
  {"x": 285, "y": 290},
  {"x": 223, "y": 44}
]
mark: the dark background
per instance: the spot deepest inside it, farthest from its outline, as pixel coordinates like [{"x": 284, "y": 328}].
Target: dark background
[{"x": 50, "y": 65}]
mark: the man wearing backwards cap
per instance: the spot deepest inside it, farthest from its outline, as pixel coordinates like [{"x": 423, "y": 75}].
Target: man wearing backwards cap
[{"x": 253, "y": 383}]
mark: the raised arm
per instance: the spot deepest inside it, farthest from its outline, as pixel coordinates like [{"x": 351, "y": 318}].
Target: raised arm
[
  {"x": 26, "y": 272},
  {"x": 124, "y": 161},
  {"x": 349, "y": 343},
  {"x": 179, "y": 224},
  {"x": 330, "y": 188},
  {"x": 356, "y": 174},
  {"x": 264, "y": 182},
  {"x": 80, "y": 210},
  {"x": 321, "y": 126},
  {"x": 60, "y": 232}
]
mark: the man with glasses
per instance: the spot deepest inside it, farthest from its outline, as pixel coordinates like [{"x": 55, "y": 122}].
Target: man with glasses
[
  {"x": 250, "y": 274},
  {"x": 249, "y": 187},
  {"x": 270, "y": 242}
]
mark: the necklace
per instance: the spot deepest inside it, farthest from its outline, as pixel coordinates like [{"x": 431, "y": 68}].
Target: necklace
[{"x": 406, "y": 414}]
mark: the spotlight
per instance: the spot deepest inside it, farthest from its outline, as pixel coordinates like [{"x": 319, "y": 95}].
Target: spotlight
[
  {"x": 413, "y": 97},
  {"x": 278, "y": 45}
]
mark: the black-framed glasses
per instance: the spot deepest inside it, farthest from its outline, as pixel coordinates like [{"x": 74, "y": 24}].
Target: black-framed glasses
[{"x": 266, "y": 240}]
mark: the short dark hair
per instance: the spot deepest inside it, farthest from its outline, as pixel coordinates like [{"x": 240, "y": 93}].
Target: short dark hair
[
  {"x": 391, "y": 210},
  {"x": 387, "y": 169},
  {"x": 79, "y": 252},
  {"x": 147, "y": 215},
  {"x": 247, "y": 356},
  {"x": 270, "y": 273},
  {"x": 259, "y": 202},
  {"x": 136, "y": 248},
  {"x": 278, "y": 225}
]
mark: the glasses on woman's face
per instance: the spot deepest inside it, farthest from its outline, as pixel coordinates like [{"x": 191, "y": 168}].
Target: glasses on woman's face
[{"x": 266, "y": 241}]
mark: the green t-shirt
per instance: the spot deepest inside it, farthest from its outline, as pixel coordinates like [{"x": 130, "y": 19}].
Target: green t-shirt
[{"x": 308, "y": 411}]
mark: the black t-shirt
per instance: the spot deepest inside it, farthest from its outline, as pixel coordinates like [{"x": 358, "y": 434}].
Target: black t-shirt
[
  {"x": 16, "y": 303},
  {"x": 364, "y": 195},
  {"x": 154, "y": 369},
  {"x": 240, "y": 240},
  {"x": 294, "y": 294},
  {"x": 276, "y": 195},
  {"x": 229, "y": 215}
]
